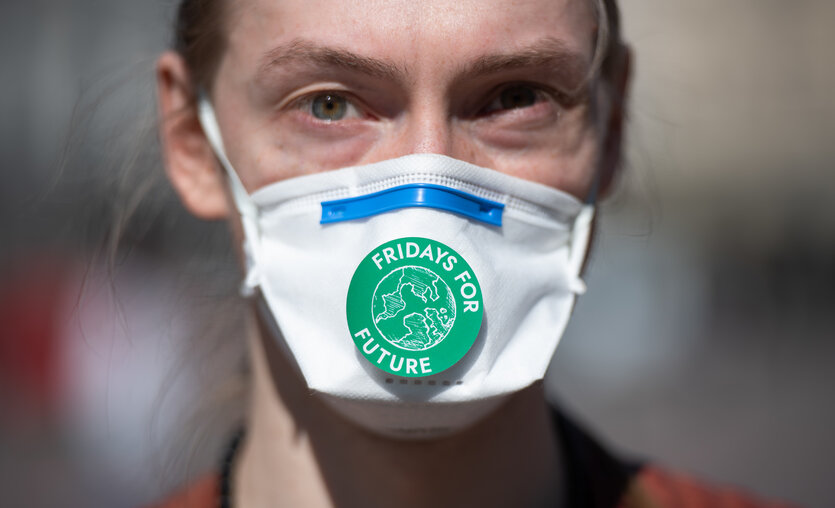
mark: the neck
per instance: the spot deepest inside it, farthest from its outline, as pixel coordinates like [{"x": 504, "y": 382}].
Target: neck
[{"x": 298, "y": 452}]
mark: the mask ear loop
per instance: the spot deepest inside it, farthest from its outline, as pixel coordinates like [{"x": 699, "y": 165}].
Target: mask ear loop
[
  {"x": 580, "y": 235},
  {"x": 247, "y": 209}
]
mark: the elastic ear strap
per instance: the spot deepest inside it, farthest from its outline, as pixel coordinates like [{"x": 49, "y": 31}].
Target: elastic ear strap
[
  {"x": 247, "y": 209},
  {"x": 579, "y": 245},
  {"x": 209, "y": 123},
  {"x": 581, "y": 233}
]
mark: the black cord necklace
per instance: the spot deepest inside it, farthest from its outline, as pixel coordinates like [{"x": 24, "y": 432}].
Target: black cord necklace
[{"x": 225, "y": 495}]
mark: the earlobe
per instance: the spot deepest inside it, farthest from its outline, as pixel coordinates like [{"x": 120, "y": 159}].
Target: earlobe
[{"x": 189, "y": 161}]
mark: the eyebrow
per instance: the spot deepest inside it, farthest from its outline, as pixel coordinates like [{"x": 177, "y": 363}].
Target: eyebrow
[
  {"x": 548, "y": 53},
  {"x": 300, "y": 51}
]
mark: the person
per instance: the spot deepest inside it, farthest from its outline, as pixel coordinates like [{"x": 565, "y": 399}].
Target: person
[{"x": 411, "y": 185}]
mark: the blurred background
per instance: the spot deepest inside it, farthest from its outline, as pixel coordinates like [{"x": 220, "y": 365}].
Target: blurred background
[{"x": 705, "y": 341}]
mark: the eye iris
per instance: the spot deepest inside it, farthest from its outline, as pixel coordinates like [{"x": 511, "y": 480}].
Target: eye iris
[
  {"x": 517, "y": 97},
  {"x": 329, "y": 107}
]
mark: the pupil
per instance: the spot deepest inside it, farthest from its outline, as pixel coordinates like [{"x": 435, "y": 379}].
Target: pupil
[
  {"x": 518, "y": 97},
  {"x": 328, "y": 107}
]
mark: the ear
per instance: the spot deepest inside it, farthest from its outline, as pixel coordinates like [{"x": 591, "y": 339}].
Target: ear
[
  {"x": 189, "y": 160},
  {"x": 611, "y": 155}
]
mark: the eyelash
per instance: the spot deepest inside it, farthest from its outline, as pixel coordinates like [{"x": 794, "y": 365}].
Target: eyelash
[
  {"x": 357, "y": 110},
  {"x": 539, "y": 94}
]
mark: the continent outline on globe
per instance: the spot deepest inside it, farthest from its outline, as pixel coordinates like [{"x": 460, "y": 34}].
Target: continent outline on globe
[{"x": 441, "y": 320}]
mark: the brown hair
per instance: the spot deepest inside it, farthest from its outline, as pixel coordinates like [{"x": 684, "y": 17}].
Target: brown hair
[
  {"x": 612, "y": 46},
  {"x": 198, "y": 37}
]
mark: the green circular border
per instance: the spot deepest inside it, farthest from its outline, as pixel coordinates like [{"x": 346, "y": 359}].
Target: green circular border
[{"x": 442, "y": 356}]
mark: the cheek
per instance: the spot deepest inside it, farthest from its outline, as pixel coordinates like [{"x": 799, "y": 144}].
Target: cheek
[
  {"x": 571, "y": 171},
  {"x": 520, "y": 129},
  {"x": 271, "y": 151},
  {"x": 293, "y": 153},
  {"x": 563, "y": 154}
]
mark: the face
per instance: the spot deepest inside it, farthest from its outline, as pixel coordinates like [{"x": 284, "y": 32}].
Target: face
[{"x": 312, "y": 85}]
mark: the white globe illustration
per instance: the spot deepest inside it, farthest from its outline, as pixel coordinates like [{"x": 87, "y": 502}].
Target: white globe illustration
[{"x": 413, "y": 308}]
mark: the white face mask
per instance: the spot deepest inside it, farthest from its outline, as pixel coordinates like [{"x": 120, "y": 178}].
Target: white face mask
[{"x": 414, "y": 294}]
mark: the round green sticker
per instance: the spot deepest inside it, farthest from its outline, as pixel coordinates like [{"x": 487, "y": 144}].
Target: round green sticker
[{"x": 414, "y": 307}]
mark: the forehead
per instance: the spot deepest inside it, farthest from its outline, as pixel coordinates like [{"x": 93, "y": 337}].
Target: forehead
[{"x": 415, "y": 35}]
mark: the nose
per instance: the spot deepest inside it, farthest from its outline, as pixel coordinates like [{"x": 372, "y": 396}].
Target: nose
[
  {"x": 429, "y": 126},
  {"x": 428, "y": 130},
  {"x": 425, "y": 127}
]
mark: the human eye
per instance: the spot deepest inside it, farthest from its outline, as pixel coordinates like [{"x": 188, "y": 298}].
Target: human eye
[
  {"x": 329, "y": 107},
  {"x": 514, "y": 97}
]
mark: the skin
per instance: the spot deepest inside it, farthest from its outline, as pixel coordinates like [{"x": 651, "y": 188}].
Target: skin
[{"x": 502, "y": 87}]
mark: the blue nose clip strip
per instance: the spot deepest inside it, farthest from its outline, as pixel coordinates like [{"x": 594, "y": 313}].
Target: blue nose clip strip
[{"x": 413, "y": 195}]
